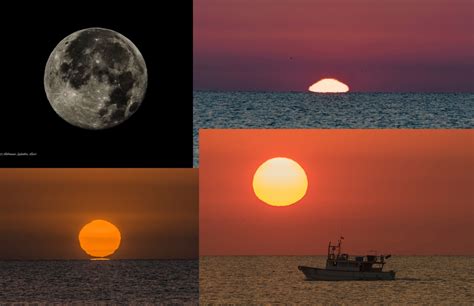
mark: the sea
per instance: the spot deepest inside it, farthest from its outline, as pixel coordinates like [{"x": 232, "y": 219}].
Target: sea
[
  {"x": 424, "y": 280},
  {"x": 213, "y": 109},
  {"x": 100, "y": 282}
]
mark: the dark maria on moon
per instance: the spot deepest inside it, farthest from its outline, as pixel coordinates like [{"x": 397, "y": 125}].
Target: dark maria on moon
[{"x": 95, "y": 78}]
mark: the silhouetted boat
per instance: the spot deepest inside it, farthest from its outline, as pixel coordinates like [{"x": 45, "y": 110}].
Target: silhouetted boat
[{"x": 342, "y": 267}]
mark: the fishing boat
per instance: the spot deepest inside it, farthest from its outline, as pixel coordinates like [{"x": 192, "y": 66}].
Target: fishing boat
[{"x": 342, "y": 267}]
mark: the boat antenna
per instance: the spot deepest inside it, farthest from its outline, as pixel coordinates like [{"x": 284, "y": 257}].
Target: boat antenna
[{"x": 339, "y": 246}]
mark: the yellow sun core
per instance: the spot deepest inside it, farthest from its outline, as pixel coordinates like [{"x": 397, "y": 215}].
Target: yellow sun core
[
  {"x": 99, "y": 238},
  {"x": 329, "y": 86},
  {"x": 280, "y": 181}
]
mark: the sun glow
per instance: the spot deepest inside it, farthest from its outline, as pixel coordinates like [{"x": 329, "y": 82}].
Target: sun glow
[
  {"x": 329, "y": 86},
  {"x": 99, "y": 238},
  {"x": 280, "y": 181}
]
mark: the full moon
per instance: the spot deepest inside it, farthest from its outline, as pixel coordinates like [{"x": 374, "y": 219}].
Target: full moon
[
  {"x": 329, "y": 86},
  {"x": 99, "y": 238},
  {"x": 280, "y": 181},
  {"x": 95, "y": 78}
]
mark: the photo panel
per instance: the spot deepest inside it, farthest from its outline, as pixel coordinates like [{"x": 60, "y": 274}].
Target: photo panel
[
  {"x": 332, "y": 64},
  {"x": 284, "y": 213},
  {"x": 99, "y": 236},
  {"x": 97, "y": 85}
]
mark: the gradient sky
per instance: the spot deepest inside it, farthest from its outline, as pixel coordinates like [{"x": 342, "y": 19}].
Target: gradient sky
[
  {"x": 372, "y": 45},
  {"x": 396, "y": 191},
  {"x": 43, "y": 210}
]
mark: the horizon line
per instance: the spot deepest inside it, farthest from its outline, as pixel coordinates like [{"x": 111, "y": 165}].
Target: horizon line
[
  {"x": 95, "y": 259},
  {"x": 341, "y": 93},
  {"x": 308, "y": 255}
]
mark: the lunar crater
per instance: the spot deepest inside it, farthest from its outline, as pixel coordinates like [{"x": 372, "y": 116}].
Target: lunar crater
[{"x": 95, "y": 78}]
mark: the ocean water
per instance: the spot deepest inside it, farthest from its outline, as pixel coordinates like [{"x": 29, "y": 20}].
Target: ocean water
[
  {"x": 276, "y": 279},
  {"x": 309, "y": 110},
  {"x": 114, "y": 281}
]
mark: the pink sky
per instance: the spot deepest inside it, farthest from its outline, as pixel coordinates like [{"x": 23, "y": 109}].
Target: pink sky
[{"x": 372, "y": 45}]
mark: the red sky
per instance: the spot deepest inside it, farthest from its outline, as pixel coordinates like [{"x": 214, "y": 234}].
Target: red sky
[
  {"x": 399, "y": 191},
  {"x": 372, "y": 45}
]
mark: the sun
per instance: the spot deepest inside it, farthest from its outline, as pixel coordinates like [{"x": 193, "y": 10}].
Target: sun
[
  {"x": 99, "y": 238},
  {"x": 280, "y": 181},
  {"x": 329, "y": 86}
]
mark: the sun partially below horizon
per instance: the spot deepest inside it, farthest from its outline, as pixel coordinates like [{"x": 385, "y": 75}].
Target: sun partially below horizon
[
  {"x": 329, "y": 85},
  {"x": 280, "y": 181},
  {"x": 99, "y": 238}
]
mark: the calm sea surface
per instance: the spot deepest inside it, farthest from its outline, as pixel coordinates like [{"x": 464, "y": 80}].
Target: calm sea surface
[
  {"x": 309, "y": 110},
  {"x": 276, "y": 279},
  {"x": 114, "y": 281}
]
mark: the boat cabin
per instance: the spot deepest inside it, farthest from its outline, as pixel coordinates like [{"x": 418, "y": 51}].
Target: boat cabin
[{"x": 342, "y": 261}]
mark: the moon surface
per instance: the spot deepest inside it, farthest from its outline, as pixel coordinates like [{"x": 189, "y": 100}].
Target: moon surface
[{"x": 95, "y": 78}]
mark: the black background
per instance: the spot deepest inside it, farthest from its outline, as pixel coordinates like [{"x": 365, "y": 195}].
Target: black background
[{"x": 159, "y": 134}]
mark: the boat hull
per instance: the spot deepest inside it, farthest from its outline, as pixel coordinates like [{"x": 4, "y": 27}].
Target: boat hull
[{"x": 342, "y": 275}]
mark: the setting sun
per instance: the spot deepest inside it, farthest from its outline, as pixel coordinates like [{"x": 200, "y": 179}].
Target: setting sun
[
  {"x": 99, "y": 238},
  {"x": 329, "y": 86},
  {"x": 280, "y": 181}
]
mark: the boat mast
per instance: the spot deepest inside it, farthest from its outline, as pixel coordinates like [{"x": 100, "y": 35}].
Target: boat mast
[{"x": 339, "y": 246}]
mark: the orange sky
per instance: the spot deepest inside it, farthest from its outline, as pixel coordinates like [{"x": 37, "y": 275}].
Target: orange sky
[
  {"x": 398, "y": 191},
  {"x": 43, "y": 210}
]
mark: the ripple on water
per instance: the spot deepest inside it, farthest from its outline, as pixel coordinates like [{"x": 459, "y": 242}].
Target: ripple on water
[
  {"x": 276, "y": 279},
  {"x": 85, "y": 281},
  {"x": 309, "y": 110}
]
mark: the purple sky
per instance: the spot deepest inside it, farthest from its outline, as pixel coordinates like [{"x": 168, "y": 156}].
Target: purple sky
[{"x": 372, "y": 45}]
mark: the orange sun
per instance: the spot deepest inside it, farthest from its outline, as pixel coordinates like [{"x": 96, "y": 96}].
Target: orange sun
[
  {"x": 280, "y": 181},
  {"x": 99, "y": 238},
  {"x": 329, "y": 86}
]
